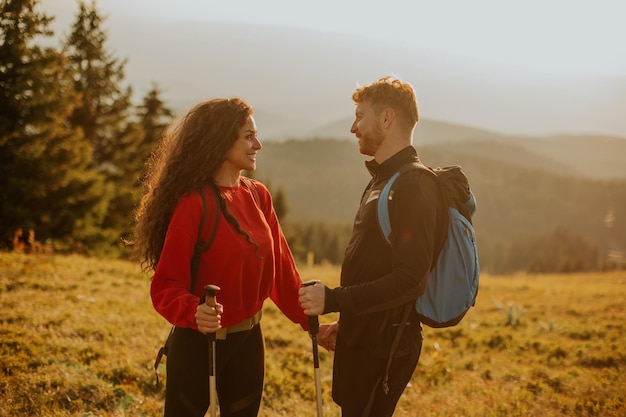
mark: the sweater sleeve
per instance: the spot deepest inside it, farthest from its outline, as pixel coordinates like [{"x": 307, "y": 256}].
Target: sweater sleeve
[
  {"x": 287, "y": 281},
  {"x": 169, "y": 289}
]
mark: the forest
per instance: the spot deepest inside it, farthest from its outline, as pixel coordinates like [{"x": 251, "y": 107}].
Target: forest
[{"x": 74, "y": 148}]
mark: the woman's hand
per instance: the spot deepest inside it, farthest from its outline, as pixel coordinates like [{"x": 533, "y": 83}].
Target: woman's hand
[
  {"x": 327, "y": 336},
  {"x": 208, "y": 318}
]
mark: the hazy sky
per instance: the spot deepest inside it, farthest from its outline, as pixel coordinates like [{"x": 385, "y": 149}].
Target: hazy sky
[
  {"x": 521, "y": 67},
  {"x": 555, "y": 37}
]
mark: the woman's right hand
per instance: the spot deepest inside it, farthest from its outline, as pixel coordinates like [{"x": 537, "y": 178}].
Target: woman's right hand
[
  {"x": 327, "y": 336},
  {"x": 208, "y": 318}
]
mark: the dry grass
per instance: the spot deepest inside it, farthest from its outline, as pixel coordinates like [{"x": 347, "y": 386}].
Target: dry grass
[{"x": 78, "y": 338}]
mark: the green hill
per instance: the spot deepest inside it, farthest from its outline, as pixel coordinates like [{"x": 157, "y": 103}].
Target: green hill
[
  {"x": 595, "y": 156},
  {"x": 522, "y": 195}
]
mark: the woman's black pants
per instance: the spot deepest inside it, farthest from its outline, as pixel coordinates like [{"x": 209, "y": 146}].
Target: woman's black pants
[{"x": 240, "y": 370}]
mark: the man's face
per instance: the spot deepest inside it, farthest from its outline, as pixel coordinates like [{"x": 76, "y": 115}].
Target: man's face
[{"x": 367, "y": 128}]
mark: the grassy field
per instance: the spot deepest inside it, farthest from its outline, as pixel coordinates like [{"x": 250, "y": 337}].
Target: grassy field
[{"x": 78, "y": 337}]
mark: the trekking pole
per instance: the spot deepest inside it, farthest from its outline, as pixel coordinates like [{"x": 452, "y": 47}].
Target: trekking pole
[
  {"x": 314, "y": 325},
  {"x": 209, "y": 299}
]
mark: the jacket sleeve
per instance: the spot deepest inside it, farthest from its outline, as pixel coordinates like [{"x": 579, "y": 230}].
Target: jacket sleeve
[
  {"x": 414, "y": 211},
  {"x": 287, "y": 281},
  {"x": 169, "y": 289}
]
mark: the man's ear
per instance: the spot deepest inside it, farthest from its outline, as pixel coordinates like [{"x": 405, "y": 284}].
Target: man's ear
[{"x": 388, "y": 116}]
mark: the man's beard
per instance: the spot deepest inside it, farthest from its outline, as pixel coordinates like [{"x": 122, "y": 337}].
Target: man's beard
[{"x": 370, "y": 142}]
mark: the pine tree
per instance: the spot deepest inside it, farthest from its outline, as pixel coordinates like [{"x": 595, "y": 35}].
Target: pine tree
[
  {"x": 45, "y": 180},
  {"x": 154, "y": 116},
  {"x": 280, "y": 203},
  {"x": 105, "y": 107},
  {"x": 104, "y": 115},
  {"x": 138, "y": 141}
]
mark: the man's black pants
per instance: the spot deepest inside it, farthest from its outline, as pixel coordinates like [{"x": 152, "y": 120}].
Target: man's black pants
[{"x": 358, "y": 381}]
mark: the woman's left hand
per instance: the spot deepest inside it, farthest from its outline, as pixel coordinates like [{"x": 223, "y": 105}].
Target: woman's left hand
[{"x": 208, "y": 318}]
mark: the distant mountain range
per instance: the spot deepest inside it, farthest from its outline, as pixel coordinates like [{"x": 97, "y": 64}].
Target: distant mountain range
[
  {"x": 593, "y": 156},
  {"x": 323, "y": 178},
  {"x": 525, "y": 190}
]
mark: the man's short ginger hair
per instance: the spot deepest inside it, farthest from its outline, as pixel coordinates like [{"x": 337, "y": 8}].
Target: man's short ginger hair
[{"x": 390, "y": 92}]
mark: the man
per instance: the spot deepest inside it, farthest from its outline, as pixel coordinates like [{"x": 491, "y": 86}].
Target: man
[{"x": 378, "y": 338}]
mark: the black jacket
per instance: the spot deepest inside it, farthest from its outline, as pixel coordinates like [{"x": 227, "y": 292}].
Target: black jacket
[{"x": 379, "y": 282}]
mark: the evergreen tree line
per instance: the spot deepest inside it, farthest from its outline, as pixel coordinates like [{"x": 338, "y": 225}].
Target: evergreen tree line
[
  {"x": 560, "y": 251},
  {"x": 73, "y": 147},
  {"x": 318, "y": 242},
  {"x": 311, "y": 242}
]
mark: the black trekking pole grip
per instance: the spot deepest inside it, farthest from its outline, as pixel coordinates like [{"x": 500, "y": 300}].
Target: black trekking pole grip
[{"x": 210, "y": 291}]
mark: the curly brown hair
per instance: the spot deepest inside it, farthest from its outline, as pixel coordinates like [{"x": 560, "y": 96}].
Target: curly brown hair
[
  {"x": 189, "y": 155},
  {"x": 390, "y": 92}
]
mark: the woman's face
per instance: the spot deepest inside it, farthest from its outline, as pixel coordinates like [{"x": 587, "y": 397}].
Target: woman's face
[{"x": 242, "y": 155}]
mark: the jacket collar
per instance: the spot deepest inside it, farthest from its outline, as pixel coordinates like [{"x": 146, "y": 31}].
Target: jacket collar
[{"x": 391, "y": 165}]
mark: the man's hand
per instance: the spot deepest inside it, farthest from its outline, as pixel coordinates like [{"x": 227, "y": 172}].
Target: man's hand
[{"x": 312, "y": 299}]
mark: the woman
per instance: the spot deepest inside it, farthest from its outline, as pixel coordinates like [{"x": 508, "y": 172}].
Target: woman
[{"x": 249, "y": 258}]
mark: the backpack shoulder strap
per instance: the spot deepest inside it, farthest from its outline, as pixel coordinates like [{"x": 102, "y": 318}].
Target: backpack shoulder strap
[
  {"x": 201, "y": 246},
  {"x": 383, "y": 199},
  {"x": 250, "y": 185},
  {"x": 383, "y": 208}
]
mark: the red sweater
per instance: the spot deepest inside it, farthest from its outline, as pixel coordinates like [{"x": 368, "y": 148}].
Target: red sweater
[{"x": 246, "y": 276}]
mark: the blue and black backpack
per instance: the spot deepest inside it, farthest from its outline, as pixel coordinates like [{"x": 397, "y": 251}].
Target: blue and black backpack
[{"x": 453, "y": 282}]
